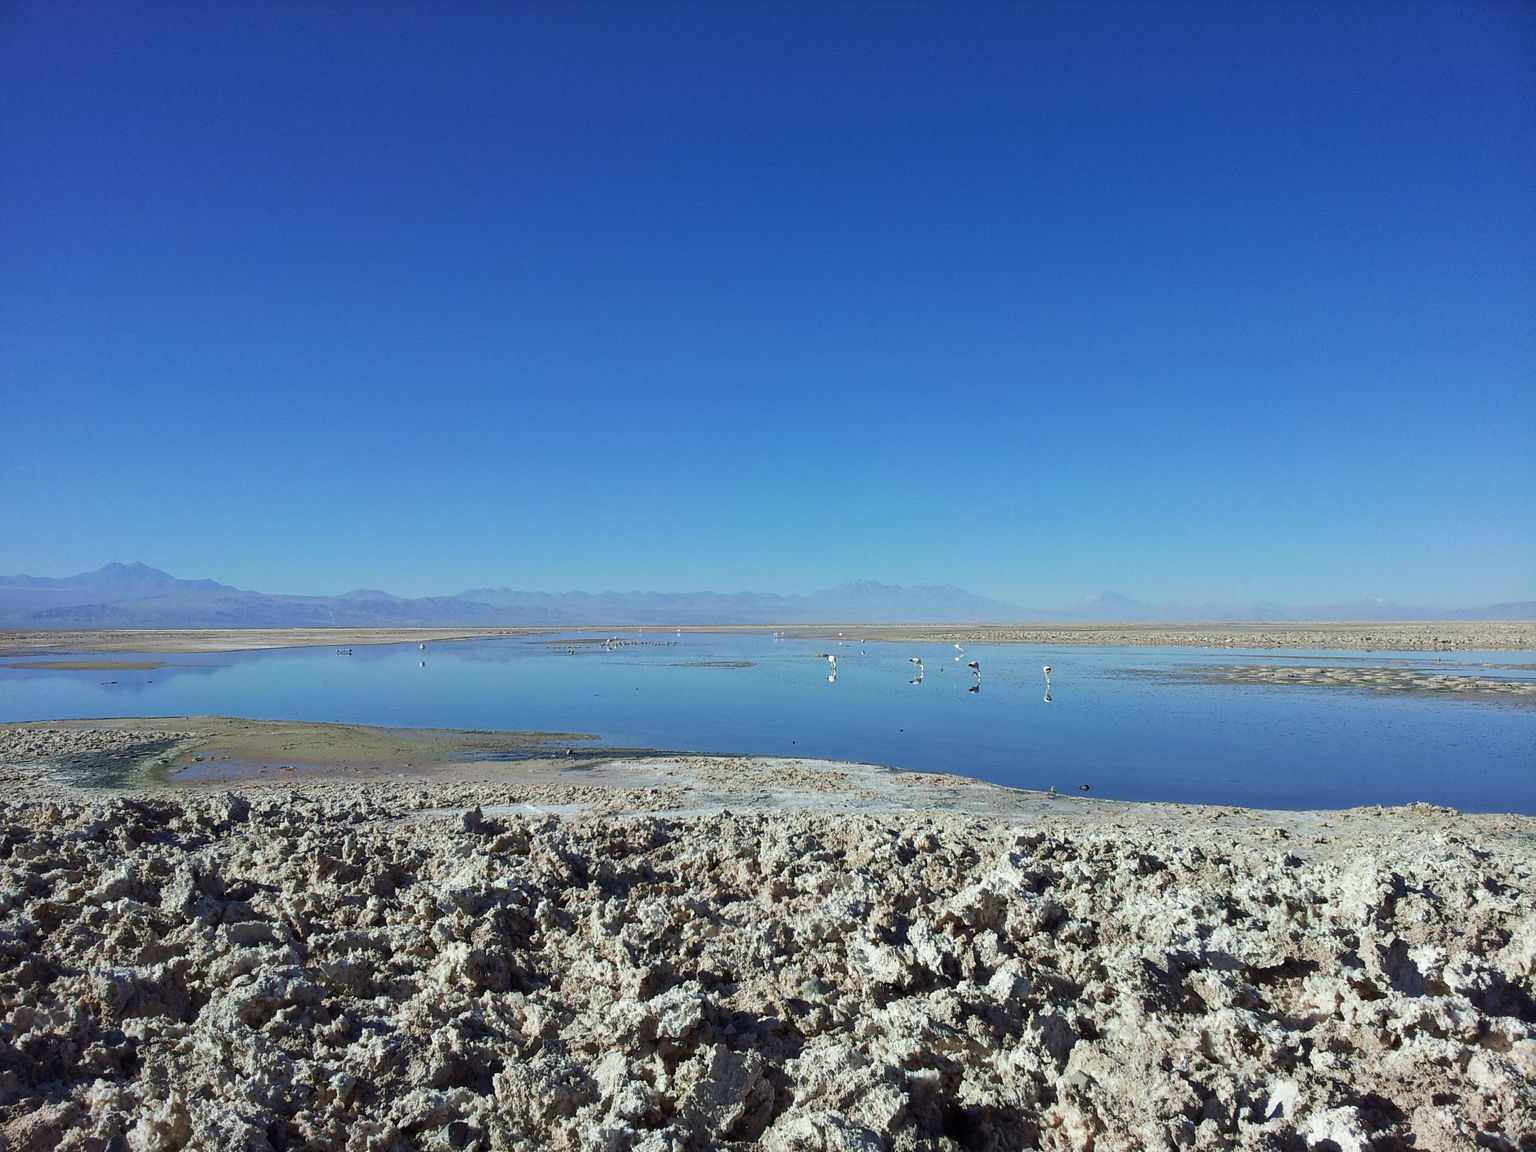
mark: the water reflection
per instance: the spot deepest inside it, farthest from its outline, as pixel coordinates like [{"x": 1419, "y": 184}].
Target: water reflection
[{"x": 151, "y": 673}]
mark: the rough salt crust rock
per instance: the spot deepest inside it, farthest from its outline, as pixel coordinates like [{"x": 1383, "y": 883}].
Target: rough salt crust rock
[{"x": 341, "y": 966}]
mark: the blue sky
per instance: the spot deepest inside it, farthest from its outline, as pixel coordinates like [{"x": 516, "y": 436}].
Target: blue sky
[{"x": 1199, "y": 302}]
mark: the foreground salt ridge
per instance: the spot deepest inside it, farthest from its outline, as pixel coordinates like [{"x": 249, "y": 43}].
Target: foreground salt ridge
[{"x": 325, "y": 967}]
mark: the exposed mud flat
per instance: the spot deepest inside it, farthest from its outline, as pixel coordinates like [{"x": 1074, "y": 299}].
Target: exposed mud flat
[
  {"x": 365, "y": 965},
  {"x": 1460, "y": 684},
  {"x": 136, "y": 751}
]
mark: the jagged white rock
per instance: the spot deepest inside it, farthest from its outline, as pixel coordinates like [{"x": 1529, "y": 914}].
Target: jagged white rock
[{"x": 320, "y": 969}]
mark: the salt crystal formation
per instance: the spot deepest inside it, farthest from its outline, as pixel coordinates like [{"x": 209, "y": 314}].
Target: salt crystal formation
[{"x": 315, "y": 970}]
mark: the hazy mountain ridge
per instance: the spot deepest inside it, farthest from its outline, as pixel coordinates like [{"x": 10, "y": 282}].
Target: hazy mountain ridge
[
  {"x": 859, "y": 601},
  {"x": 138, "y": 596},
  {"x": 119, "y": 577},
  {"x": 1111, "y": 607}
]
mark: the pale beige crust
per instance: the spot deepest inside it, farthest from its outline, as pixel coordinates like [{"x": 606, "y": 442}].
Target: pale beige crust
[{"x": 1462, "y": 635}]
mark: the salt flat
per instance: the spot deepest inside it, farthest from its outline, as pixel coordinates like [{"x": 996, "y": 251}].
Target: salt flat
[{"x": 1487, "y": 635}]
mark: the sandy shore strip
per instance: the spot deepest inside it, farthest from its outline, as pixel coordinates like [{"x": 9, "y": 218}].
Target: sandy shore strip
[
  {"x": 1463, "y": 635},
  {"x": 648, "y": 952},
  {"x": 1460, "y": 635}
]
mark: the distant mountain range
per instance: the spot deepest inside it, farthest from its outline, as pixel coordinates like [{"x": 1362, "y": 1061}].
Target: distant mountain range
[{"x": 138, "y": 596}]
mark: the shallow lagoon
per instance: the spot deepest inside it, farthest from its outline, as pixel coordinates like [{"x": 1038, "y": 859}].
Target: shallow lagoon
[{"x": 1127, "y": 735}]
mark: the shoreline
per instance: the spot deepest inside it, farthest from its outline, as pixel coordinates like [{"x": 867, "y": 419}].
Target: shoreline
[
  {"x": 158, "y": 756},
  {"x": 1400, "y": 636}
]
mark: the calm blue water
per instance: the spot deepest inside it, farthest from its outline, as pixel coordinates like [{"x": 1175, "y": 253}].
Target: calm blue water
[{"x": 1128, "y": 737}]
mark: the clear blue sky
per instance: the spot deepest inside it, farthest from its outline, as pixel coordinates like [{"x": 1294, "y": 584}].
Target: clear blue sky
[{"x": 1197, "y": 302}]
